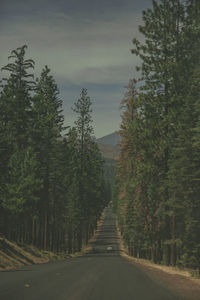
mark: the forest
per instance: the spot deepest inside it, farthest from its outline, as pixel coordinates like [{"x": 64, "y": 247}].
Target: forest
[
  {"x": 52, "y": 179},
  {"x": 157, "y": 188},
  {"x": 52, "y": 187}
]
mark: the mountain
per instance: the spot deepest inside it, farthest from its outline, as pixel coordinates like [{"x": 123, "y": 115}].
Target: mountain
[
  {"x": 112, "y": 139},
  {"x": 109, "y": 151},
  {"x": 109, "y": 147}
]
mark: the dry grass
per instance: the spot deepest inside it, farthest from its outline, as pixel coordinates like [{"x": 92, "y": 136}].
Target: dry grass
[
  {"x": 13, "y": 256},
  {"x": 179, "y": 281}
]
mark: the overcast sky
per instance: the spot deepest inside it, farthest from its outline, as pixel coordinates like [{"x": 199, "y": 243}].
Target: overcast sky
[{"x": 86, "y": 44}]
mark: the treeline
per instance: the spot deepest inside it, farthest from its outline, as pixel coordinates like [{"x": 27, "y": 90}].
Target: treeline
[
  {"x": 157, "y": 190},
  {"x": 52, "y": 188}
]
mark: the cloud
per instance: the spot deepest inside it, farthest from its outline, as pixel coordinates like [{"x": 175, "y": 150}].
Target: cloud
[
  {"x": 91, "y": 8},
  {"x": 85, "y": 43},
  {"x": 77, "y": 50}
]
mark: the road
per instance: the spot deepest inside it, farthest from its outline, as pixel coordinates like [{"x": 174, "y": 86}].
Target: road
[{"x": 101, "y": 274}]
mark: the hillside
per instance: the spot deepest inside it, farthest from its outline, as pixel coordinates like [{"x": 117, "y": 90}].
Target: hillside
[
  {"x": 109, "y": 151},
  {"x": 109, "y": 145},
  {"x": 112, "y": 139},
  {"x": 13, "y": 255}
]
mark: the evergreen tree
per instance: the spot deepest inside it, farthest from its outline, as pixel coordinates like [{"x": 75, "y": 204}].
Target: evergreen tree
[
  {"x": 16, "y": 97},
  {"x": 157, "y": 174},
  {"x": 15, "y": 118},
  {"x": 21, "y": 197},
  {"x": 84, "y": 134},
  {"x": 47, "y": 127},
  {"x": 52, "y": 188},
  {"x": 90, "y": 171}
]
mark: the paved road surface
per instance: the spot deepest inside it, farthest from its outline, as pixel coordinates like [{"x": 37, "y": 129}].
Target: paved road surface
[{"x": 100, "y": 275}]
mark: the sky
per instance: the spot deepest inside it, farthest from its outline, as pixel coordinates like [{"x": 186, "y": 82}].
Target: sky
[{"x": 86, "y": 44}]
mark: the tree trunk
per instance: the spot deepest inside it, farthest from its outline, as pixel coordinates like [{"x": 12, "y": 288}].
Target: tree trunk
[{"x": 45, "y": 231}]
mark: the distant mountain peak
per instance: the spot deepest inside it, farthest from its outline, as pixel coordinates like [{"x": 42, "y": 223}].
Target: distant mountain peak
[{"x": 112, "y": 139}]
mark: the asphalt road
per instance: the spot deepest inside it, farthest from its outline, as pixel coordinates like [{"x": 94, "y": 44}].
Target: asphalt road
[{"x": 102, "y": 274}]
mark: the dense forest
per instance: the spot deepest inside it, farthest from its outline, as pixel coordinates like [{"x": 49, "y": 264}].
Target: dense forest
[
  {"x": 52, "y": 187},
  {"x": 157, "y": 190}
]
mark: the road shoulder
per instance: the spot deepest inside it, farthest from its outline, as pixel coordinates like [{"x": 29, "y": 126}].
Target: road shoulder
[{"x": 179, "y": 281}]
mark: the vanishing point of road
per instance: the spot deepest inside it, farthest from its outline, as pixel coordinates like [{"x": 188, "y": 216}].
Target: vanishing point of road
[{"x": 101, "y": 274}]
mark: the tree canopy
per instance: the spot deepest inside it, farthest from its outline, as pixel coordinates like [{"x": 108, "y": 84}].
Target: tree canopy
[
  {"x": 156, "y": 195},
  {"x": 52, "y": 188}
]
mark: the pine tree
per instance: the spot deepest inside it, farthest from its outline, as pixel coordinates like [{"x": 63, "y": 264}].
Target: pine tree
[
  {"x": 162, "y": 63},
  {"x": 91, "y": 182},
  {"x": 47, "y": 127},
  {"x": 16, "y": 94},
  {"x": 84, "y": 134},
  {"x": 52, "y": 188},
  {"x": 158, "y": 181},
  {"x": 21, "y": 197},
  {"x": 183, "y": 163},
  {"x": 15, "y": 117}
]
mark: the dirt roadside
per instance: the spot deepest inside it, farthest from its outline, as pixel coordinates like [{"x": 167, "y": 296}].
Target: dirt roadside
[
  {"x": 180, "y": 282},
  {"x": 13, "y": 256}
]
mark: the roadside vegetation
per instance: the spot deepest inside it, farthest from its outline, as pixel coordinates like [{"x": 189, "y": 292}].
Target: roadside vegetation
[
  {"x": 14, "y": 255},
  {"x": 52, "y": 187},
  {"x": 157, "y": 187}
]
